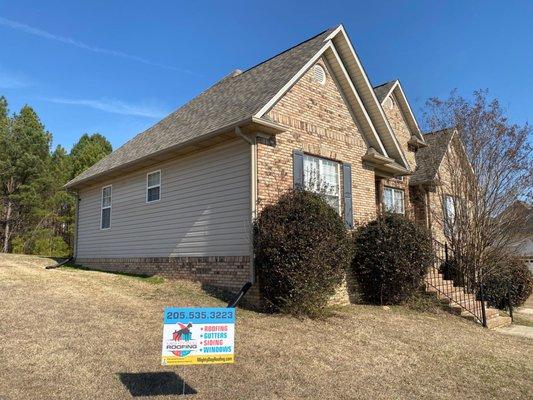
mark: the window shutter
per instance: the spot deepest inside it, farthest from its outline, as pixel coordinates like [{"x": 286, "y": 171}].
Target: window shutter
[
  {"x": 347, "y": 192},
  {"x": 298, "y": 169}
]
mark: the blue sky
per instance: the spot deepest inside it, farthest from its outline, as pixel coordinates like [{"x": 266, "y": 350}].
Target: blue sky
[{"x": 117, "y": 67}]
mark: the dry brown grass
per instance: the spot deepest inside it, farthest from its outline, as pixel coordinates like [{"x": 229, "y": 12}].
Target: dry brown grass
[{"x": 69, "y": 334}]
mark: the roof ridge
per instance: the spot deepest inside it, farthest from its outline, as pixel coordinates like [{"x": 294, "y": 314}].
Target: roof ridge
[
  {"x": 385, "y": 83},
  {"x": 289, "y": 49}
]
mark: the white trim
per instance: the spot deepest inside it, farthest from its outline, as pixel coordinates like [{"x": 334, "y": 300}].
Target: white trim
[
  {"x": 110, "y": 206},
  {"x": 303, "y": 70},
  {"x": 289, "y": 84},
  {"x": 338, "y": 171},
  {"x": 373, "y": 95},
  {"x": 350, "y": 108},
  {"x": 410, "y": 114},
  {"x": 393, "y": 191},
  {"x": 359, "y": 101},
  {"x": 153, "y": 186}
]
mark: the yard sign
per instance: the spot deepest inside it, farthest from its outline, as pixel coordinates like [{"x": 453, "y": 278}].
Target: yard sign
[{"x": 198, "y": 336}]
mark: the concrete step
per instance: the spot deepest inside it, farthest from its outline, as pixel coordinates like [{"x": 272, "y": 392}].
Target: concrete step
[
  {"x": 458, "y": 306},
  {"x": 459, "y": 302},
  {"x": 498, "y": 322},
  {"x": 491, "y": 313},
  {"x": 437, "y": 280},
  {"x": 444, "y": 287},
  {"x": 453, "y": 293}
]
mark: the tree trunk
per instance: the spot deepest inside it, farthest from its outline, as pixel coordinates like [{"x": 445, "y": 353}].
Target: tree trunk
[{"x": 9, "y": 208}]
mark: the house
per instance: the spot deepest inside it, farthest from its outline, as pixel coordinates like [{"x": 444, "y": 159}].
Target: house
[
  {"x": 178, "y": 199},
  {"x": 522, "y": 243}
]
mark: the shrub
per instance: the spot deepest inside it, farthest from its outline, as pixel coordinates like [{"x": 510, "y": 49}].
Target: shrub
[
  {"x": 41, "y": 242},
  {"x": 514, "y": 276},
  {"x": 302, "y": 252},
  {"x": 391, "y": 258}
]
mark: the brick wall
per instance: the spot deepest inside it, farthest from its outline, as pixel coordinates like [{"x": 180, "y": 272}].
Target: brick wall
[
  {"x": 223, "y": 272},
  {"x": 320, "y": 124},
  {"x": 403, "y": 134}
]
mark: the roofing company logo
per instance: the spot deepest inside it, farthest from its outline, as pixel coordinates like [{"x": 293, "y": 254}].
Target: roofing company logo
[{"x": 183, "y": 343}]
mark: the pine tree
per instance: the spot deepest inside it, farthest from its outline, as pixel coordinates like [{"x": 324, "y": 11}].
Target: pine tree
[
  {"x": 89, "y": 150},
  {"x": 23, "y": 172}
]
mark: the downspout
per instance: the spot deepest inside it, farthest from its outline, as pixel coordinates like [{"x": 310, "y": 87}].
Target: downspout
[{"x": 253, "y": 194}]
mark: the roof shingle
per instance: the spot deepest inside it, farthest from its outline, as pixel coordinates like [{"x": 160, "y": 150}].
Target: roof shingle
[
  {"x": 234, "y": 98},
  {"x": 383, "y": 89},
  {"x": 428, "y": 159}
]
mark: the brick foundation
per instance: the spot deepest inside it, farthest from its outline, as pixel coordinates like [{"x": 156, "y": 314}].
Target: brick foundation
[{"x": 228, "y": 273}]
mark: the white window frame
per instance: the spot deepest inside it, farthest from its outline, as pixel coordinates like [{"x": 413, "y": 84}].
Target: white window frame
[
  {"x": 337, "y": 168},
  {"x": 102, "y": 207},
  {"x": 394, "y": 193},
  {"x": 449, "y": 200},
  {"x": 153, "y": 186}
]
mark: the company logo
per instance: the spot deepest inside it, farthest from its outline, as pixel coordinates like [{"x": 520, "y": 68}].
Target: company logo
[{"x": 182, "y": 342}]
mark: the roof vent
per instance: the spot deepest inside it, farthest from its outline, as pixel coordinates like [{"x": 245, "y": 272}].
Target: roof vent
[
  {"x": 319, "y": 74},
  {"x": 235, "y": 73},
  {"x": 389, "y": 102}
]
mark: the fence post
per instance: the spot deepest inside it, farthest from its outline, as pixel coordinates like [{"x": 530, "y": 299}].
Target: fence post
[{"x": 483, "y": 311}]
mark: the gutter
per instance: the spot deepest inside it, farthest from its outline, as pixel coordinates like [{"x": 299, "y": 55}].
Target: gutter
[
  {"x": 253, "y": 194},
  {"x": 269, "y": 126}
]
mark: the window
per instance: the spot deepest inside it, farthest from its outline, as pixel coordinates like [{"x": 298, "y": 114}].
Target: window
[
  {"x": 105, "y": 218},
  {"x": 449, "y": 209},
  {"x": 319, "y": 74},
  {"x": 322, "y": 176},
  {"x": 393, "y": 200},
  {"x": 153, "y": 186}
]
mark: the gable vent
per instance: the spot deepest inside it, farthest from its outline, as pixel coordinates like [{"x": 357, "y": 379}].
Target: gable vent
[
  {"x": 389, "y": 103},
  {"x": 319, "y": 74}
]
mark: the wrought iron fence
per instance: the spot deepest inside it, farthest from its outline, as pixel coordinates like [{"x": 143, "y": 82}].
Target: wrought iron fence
[{"x": 457, "y": 281}]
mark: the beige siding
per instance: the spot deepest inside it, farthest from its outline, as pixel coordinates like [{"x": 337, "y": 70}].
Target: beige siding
[{"x": 204, "y": 209}]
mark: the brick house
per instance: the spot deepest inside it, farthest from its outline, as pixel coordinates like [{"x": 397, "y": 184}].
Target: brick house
[{"x": 178, "y": 199}]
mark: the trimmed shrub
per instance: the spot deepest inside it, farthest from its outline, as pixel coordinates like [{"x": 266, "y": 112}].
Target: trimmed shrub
[
  {"x": 513, "y": 276},
  {"x": 302, "y": 253},
  {"x": 391, "y": 258}
]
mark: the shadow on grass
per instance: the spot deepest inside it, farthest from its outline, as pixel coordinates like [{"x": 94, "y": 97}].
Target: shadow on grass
[
  {"x": 226, "y": 296},
  {"x": 155, "y": 279},
  {"x": 155, "y": 384}
]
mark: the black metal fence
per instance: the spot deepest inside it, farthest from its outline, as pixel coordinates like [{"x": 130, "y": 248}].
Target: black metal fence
[{"x": 457, "y": 281}]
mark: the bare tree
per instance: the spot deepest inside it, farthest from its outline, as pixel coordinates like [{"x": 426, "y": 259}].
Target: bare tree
[{"x": 486, "y": 168}]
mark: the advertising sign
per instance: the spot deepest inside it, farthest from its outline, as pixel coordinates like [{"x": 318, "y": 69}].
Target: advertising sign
[{"x": 198, "y": 336}]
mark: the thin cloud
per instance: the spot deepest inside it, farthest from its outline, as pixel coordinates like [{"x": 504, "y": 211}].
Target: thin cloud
[
  {"x": 8, "y": 23},
  {"x": 114, "y": 106},
  {"x": 13, "y": 80}
]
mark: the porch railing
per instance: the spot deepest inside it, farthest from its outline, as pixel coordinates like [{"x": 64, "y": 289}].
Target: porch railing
[{"x": 457, "y": 282}]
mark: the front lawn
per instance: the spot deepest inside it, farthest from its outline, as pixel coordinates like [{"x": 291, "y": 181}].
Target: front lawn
[{"x": 76, "y": 334}]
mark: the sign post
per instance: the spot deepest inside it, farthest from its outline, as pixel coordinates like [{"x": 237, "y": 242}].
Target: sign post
[{"x": 198, "y": 336}]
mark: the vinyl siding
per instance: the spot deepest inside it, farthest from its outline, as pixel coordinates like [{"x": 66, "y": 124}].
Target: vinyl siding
[{"x": 204, "y": 209}]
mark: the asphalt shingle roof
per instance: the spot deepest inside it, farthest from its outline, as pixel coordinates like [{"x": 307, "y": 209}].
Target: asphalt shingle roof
[
  {"x": 382, "y": 90},
  {"x": 232, "y": 99},
  {"x": 428, "y": 159}
]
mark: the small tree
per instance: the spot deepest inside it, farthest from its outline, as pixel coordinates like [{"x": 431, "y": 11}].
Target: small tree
[
  {"x": 302, "y": 252},
  {"x": 485, "y": 169},
  {"x": 391, "y": 258},
  {"x": 510, "y": 280}
]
